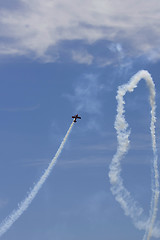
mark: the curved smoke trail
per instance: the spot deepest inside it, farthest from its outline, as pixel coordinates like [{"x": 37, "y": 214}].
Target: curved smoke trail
[
  {"x": 7, "y": 223},
  {"x": 122, "y": 195}
]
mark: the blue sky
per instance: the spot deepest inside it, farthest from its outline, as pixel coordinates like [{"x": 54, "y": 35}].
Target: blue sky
[{"x": 58, "y": 58}]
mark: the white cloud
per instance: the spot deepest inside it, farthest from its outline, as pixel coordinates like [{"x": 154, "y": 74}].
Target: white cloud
[{"x": 34, "y": 27}]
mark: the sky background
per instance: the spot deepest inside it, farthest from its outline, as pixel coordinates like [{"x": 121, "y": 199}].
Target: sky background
[{"x": 59, "y": 58}]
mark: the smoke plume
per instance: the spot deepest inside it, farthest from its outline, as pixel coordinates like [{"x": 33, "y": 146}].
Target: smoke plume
[
  {"x": 7, "y": 223},
  {"x": 129, "y": 205}
]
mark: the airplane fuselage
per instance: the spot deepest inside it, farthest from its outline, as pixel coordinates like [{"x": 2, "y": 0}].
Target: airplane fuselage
[{"x": 75, "y": 117}]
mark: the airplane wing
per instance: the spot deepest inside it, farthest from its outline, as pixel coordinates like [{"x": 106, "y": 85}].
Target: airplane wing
[{"x": 75, "y": 117}]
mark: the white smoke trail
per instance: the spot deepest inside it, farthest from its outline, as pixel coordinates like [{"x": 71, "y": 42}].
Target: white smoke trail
[
  {"x": 7, "y": 223},
  {"x": 129, "y": 205}
]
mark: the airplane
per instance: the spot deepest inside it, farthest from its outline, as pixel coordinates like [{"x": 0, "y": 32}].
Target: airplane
[{"x": 75, "y": 117}]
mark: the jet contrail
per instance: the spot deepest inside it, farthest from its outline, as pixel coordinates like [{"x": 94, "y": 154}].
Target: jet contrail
[
  {"x": 122, "y": 195},
  {"x": 7, "y": 223}
]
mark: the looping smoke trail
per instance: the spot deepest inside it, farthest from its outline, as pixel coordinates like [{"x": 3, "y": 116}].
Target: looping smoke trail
[
  {"x": 122, "y": 195},
  {"x": 7, "y": 223}
]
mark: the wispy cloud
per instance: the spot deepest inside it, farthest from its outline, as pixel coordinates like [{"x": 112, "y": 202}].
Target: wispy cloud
[
  {"x": 68, "y": 163},
  {"x": 20, "y": 109},
  {"x": 87, "y": 99},
  {"x": 36, "y": 162},
  {"x": 96, "y": 203},
  {"x": 3, "y": 202},
  {"x": 86, "y": 94},
  {"x": 34, "y": 28},
  {"x": 82, "y": 57}
]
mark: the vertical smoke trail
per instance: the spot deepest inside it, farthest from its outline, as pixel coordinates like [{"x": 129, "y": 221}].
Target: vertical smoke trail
[
  {"x": 7, "y": 223},
  {"x": 130, "y": 207}
]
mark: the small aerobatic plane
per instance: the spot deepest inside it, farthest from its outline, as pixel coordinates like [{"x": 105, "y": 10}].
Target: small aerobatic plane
[{"x": 75, "y": 117}]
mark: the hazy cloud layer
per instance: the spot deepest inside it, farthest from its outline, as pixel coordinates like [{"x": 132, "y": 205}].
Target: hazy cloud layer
[{"x": 34, "y": 28}]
